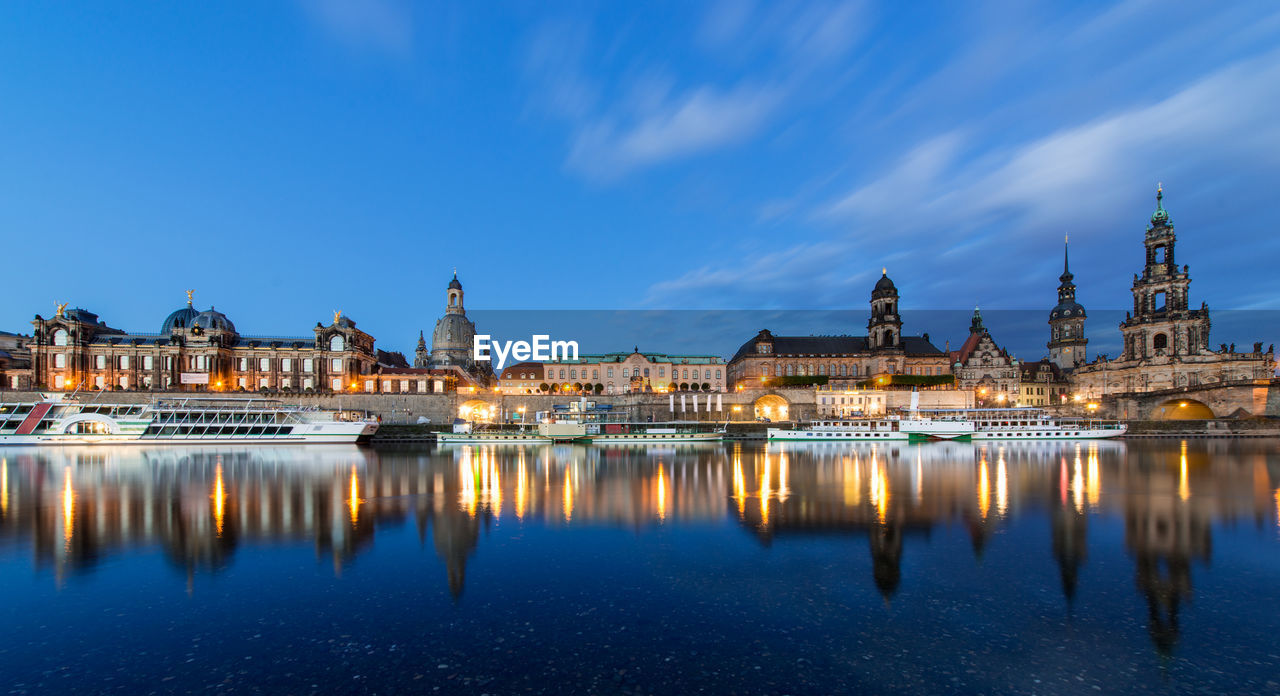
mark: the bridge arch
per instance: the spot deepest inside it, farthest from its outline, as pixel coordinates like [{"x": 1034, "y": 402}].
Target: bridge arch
[
  {"x": 1182, "y": 409},
  {"x": 773, "y": 407},
  {"x": 477, "y": 410}
]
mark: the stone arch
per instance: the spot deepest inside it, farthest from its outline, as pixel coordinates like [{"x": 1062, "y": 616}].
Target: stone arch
[
  {"x": 773, "y": 407},
  {"x": 477, "y": 410},
  {"x": 1182, "y": 409},
  {"x": 1160, "y": 341}
]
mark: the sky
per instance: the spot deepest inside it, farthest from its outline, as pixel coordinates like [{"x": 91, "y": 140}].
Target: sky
[{"x": 287, "y": 159}]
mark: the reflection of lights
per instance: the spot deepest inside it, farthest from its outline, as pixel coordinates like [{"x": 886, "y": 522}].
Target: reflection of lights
[
  {"x": 917, "y": 490},
  {"x": 495, "y": 487},
  {"x": 1093, "y": 487},
  {"x": 984, "y": 488},
  {"x": 1002, "y": 485},
  {"x": 353, "y": 501},
  {"x": 662, "y": 494},
  {"x": 739, "y": 482},
  {"x": 1278, "y": 507},
  {"x": 219, "y": 499},
  {"x": 852, "y": 482},
  {"x": 4, "y": 486},
  {"x": 1184, "y": 488},
  {"x": 467, "y": 483},
  {"x": 784, "y": 491},
  {"x": 568, "y": 494},
  {"x": 765, "y": 476},
  {"x": 1077, "y": 483},
  {"x": 68, "y": 506},
  {"x": 521, "y": 487}
]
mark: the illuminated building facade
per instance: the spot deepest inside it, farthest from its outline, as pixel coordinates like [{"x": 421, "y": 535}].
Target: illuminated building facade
[
  {"x": 636, "y": 372},
  {"x": 883, "y": 351},
  {"x": 195, "y": 351}
]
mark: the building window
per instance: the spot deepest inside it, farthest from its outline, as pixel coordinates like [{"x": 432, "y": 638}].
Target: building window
[
  {"x": 263, "y": 383},
  {"x": 286, "y": 383},
  {"x": 124, "y": 362},
  {"x": 626, "y": 372},
  {"x": 60, "y": 360},
  {"x": 286, "y": 364},
  {"x": 60, "y": 337},
  {"x": 609, "y": 372},
  {"x": 146, "y": 362},
  {"x": 57, "y": 382},
  {"x": 717, "y": 374},
  {"x": 100, "y": 362},
  {"x": 595, "y": 374},
  {"x": 242, "y": 364},
  {"x": 336, "y": 343},
  {"x": 307, "y": 366},
  {"x": 336, "y": 384},
  {"x": 264, "y": 364},
  {"x": 336, "y": 365}
]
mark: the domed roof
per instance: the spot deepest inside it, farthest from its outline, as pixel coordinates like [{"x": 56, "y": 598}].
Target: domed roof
[
  {"x": 454, "y": 284},
  {"x": 213, "y": 320},
  {"x": 884, "y": 283},
  {"x": 453, "y": 332},
  {"x": 179, "y": 319},
  {"x": 1160, "y": 218},
  {"x": 1066, "y": 310}
]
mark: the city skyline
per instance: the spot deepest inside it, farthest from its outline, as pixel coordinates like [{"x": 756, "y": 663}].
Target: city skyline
[{"x": 349, "y": 155}]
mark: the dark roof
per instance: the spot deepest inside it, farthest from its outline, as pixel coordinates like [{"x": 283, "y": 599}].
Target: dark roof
[
  {"x": 1067, "y": 309},
  {"x": 511, "y": 371},
  {"x": 833, "y": 345},
  {"x": 1029, "y": 371},
  {"x": 391, "y": 358}
]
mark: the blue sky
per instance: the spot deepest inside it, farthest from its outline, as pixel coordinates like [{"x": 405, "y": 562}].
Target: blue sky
[{"x": 286, "y": 159}]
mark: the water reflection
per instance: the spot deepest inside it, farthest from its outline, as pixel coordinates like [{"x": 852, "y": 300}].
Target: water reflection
[{"x": 75, "y": 507}]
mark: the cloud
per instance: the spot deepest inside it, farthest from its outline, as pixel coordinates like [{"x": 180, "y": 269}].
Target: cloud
[
  {"x": 699, "y": 120},
  {"x": 952, "y": 202},
  {"x": 382, "y": 25}
]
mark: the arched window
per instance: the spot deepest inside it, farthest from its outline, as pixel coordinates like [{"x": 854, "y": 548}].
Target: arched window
[
  {"x": 60, "y": 337},
  {"x": 1160, "y": 342},
  {"x": 336, "y": 343}
]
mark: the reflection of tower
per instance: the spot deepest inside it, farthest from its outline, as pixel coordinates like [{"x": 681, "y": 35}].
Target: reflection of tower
[
  {"x": 1070, "y": 532},
  {"x": 1165, "y": 532},
  {"x": 886, "y": 557},
  {"x": 456, "y": 535}
]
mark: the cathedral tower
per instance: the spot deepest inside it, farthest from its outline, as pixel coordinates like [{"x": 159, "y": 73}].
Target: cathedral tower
[
  {"x": 1162, "y": 323},
  {"x": 1066, "y": 323}
]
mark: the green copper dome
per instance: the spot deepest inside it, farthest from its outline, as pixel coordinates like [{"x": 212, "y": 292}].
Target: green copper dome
[{"x": 1160, "y": 218}]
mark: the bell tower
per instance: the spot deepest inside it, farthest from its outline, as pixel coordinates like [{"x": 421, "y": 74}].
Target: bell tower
[
  {"x": 1066, "y": 322},
  {"x": 884, "y": 329},
  {"x": 453, "y": 296}
]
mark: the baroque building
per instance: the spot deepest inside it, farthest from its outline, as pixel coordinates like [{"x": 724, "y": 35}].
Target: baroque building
[
  {"x": 984, "y": 368},
  {"x": 1067, "y": 341},
  {"x": 883, "y": 351},
  {"x": 195, "y": 351},
  {"x": 621, "y": 373},
  {"x": 1166, "y": 340},
  {"x": 452, "y": 342}
]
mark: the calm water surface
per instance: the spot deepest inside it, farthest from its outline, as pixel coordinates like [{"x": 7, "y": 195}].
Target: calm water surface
[{"x": 1149, "y": 566}]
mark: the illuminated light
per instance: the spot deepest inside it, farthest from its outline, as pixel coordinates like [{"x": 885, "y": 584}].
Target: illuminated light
[
  {"x": 68, "y": 507},
  {"x": 4, "y": 486},
  {"x": 353, "y": 499},
  {"x": 466, "y": 483},
  {"x": 219, "y": 499},
  {"x": 662, "y": 495},
  {"x": 1278, "y": 507},
  {"x": 1002, "y": 485},
  {"x": 917, "y": 492},
  {"x": 1182, "y": 404},
  {"x": 984, "y": 488},
  {"x": 879, "y": 489},
  {"x": 1184, "y": 487}
]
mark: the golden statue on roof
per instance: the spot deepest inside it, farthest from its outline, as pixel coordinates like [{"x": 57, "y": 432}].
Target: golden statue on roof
[
  {"x": 337, "y": 315},
  {"x": 190, "y": 293},
  {"x": 59, "y": 308}
]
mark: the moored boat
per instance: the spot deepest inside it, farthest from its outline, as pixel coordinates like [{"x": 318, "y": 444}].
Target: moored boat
[
  {"x": 1028, "y": 423},
  {"x": 62, "y": 419}
]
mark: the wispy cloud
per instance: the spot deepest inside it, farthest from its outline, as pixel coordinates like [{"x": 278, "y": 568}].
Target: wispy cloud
[
  {"x": 648, "y": 117},
  {"x": 381, "y": 25},
  {"x": 701, "y": 119}
]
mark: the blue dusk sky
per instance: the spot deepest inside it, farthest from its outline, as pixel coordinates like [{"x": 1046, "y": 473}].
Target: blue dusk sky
[{"x": 286, "y": 159}]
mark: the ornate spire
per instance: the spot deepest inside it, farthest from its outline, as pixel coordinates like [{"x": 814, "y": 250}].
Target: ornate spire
[
  {"x": 422, "y": 340},
  {"x": 975, "y": 324},
  {"x": 1066, "y": 266},
  {"x": 1160, "y": 218}
]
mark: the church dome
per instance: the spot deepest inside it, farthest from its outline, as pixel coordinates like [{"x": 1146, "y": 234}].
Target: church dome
[
  {"x": 179, "y": 319},
  {"x": 213, "y": 320},
  {"x": 884, "y": 284},
  {"x": 452, "y": 338},
  {"x": 1160, "y": 218},
  {"x": 1067, "y": 310},
  {"x": 454, "y": 284}
]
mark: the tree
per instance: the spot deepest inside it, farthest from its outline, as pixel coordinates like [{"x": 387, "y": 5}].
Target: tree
[
  {"x": 684, "y": 386},
  {"x": 706, "y": 386},
  {"x": 599, "y": 388},
  {"x": 544, "y": 387},
  {"x": 577, "y": 386}
]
